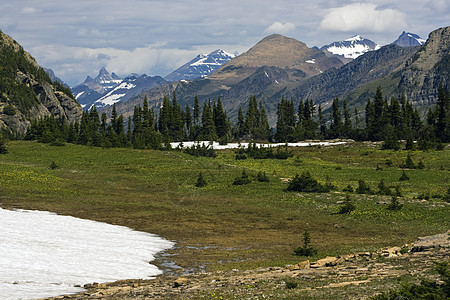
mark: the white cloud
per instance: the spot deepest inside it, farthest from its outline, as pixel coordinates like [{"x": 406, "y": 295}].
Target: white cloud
[
  {"x": 28, "y": 10},
  {"x": 365, "y": 17},
  {"x": 279, "y": 27}
]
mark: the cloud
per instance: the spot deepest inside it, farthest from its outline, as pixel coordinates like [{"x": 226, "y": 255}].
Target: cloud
[
  {"x": 365, "y": 17},
  {"x": 279, "y": 27},
  {"x": 28, "y": 10}
]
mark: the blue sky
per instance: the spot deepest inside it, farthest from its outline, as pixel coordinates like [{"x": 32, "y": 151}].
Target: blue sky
[{"x": 77, "y": 38}]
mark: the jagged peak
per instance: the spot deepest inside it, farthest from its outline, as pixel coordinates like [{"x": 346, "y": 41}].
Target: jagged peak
[{"x": 103, "y": 71}]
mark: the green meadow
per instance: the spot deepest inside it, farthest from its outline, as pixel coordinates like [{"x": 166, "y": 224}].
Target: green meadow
[{"x": 226, "y": 226}]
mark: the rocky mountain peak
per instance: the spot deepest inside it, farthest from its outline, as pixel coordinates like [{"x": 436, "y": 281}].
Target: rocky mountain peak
[
  {"x": 350, "y": 48},
  {"x": 408, "y": 39},
  {"x": 201, "y": 66}
]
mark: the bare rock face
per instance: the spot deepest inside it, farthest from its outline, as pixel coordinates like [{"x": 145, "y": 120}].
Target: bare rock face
[
  {"x": 428, "y": 69},
  {"x": 14, "y": 115}
]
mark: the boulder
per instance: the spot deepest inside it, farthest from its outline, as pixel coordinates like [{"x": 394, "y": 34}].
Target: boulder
[{"x": 328, "y": 261}]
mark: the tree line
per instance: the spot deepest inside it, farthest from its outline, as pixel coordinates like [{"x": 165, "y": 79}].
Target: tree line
[{"x": 388, "y": 121}]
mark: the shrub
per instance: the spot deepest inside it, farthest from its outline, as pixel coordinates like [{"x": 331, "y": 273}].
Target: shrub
[
  {"x": 306, "y": 183},
  {"x": 290, "y": 283},
  {"x": 383, "y": 189},
  {"x": 426, "y": 289},
  {"x": 348, "y": 188},
  {"x": 347, "y": 207},
  {"x": 395, "y": 204},
  {"x": 408, "y": 164},
  {"x": 57, "y": 142},
  {"x": 404, "y": 177},
  {"x": 201, "y": 182},
  {"x": 363, "y": 187},
  {"x": 447, "y": 196},
  {"x": 53, "y": 165},
  {"x": 241, "y": 156},
  {"x": 420, "y": 165},
  {"x": 243, "y": 179},
  {"x": 262, "y": 177}
]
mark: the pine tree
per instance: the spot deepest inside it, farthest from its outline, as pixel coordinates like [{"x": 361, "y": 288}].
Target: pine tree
[
  {"x": 263, "y": 131},
  {"x": 188, "y": 121},
  {"x": 336, "y": 121},
  {"x": 165, "y": 114},
  {"x": 370, "y": 120},
  {"x": 286, "y": 121},
  {"x": 348, "y": 129},
  {"x": 220, "y": 120},
  {"x": 208, "y": 127},
  {"x": 240, "y": 124}
]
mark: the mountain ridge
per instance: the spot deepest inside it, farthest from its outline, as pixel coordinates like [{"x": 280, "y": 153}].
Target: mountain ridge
[{"x": 27, "y": 92}]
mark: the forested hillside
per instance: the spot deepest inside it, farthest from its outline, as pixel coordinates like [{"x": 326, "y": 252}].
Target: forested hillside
[{"x": 27, "y": 92}]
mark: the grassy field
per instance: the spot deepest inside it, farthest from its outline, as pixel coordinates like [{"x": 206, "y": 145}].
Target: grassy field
[{"x": 222, "y": 226}]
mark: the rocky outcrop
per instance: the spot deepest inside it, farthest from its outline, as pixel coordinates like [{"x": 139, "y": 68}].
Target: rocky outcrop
[
  {"x": 423, "y": 74},
  {"x": 27, "y": 92},
  {"x": 320, "y": 279}
]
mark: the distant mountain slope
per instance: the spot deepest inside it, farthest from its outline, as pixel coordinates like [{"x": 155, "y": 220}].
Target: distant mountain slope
[
  {"x": 274, "y": 61},
  {"x": 27, "y": 92},
  {"x": 107, "y": 89},
  {"x": 93, "y": 89},
  {"x": 351, "y": 48},
  {"x": 407, "y": 39},
  {"x": 365, "y": 69},
  {"x": 201, "y": 66},
  {"x": 280, "y": 67},
  {"x": 128, "y": 88},
  {"x": 54, "y": 78}
]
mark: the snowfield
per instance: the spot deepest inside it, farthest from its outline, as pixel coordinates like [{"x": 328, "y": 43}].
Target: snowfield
[
  {"x": 43, "y": 254},
  {"x": 217, "y": 146}
]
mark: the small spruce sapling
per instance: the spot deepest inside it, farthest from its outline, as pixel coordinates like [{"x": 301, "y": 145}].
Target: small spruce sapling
[
  {"x": 404, "y": 177},
  {"x": 201, "y": 182},
  {"x": 306, "y": 250},
  {"x": 53, "y": 165},
  {"x": 347, "y": 207},
  {"x": 395, "y": 204}
]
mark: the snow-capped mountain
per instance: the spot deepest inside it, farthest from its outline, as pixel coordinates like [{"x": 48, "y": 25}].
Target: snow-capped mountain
[
  {"x": 408, "y": 39},
  {"x": 128, "y": 88},
  {"x": 200, "y": 66},
  {"x": 94, "y": 88},
  {"x": 350, "y": 48},
  {"x": 107, "y": 89}
]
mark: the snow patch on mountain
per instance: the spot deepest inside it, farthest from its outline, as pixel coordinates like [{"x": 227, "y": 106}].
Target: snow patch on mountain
[
  {"x": 201, "y": 66},
  {"x": 352, "y": 47}
]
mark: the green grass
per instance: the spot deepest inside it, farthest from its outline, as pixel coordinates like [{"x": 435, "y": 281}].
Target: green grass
[{"x": 246, "y": 226}]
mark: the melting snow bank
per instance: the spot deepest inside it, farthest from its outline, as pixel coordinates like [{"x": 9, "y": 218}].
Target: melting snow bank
[
  {"x": 217, "y": 146},
  {"x": 43, "y": 254}
]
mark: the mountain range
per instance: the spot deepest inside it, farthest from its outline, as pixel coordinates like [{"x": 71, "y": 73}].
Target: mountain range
[
  {"x": 274, "y": 68},
  {"x": 279, "y": 67},
  {"x": 99, "y": 91}
]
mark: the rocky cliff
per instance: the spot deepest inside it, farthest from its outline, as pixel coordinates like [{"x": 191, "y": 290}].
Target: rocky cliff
[{"x": 27, "y": 92}]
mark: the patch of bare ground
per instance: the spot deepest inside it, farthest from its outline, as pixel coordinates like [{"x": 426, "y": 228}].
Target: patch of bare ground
[{"x": 353, "y": 276}]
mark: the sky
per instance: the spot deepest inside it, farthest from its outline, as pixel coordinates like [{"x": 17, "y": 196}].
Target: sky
[{"x": 77, "y": 38}]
